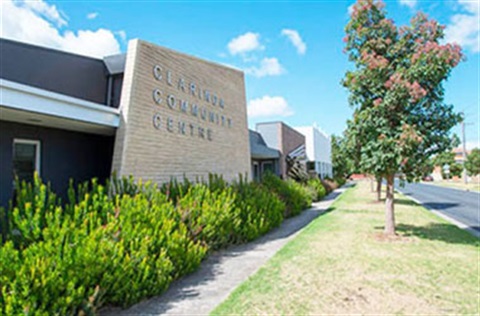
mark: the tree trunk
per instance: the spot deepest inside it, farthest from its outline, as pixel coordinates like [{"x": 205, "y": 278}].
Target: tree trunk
[
  {"x": 389, "y": 207},
  {"x": 379, "y": 189}
]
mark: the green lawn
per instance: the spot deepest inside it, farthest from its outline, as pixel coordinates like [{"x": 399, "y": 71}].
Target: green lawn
[{"x": 340, "y": 264}]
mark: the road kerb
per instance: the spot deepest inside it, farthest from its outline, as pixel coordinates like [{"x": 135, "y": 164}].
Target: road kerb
[{"x": 445, "y": 217}]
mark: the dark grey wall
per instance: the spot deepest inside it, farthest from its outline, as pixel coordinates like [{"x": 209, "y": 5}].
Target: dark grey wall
[
  {"x": 64, "y": 155},
  {"x": 53, "y": 70}
]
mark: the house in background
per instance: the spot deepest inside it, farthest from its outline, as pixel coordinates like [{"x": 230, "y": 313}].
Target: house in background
[
  {"x": 264, "y": 159},
  {"x": 285, "y": 139},
  {"x": 459, "y": 154},
  {"x": 318, "y": 150}
]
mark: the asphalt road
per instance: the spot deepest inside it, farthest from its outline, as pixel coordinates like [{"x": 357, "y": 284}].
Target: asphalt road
[{"x": 460, "y": 205}]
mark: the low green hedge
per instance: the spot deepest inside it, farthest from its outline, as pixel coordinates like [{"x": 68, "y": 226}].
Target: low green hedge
[
  {"x": 103, "y": 250},
  {"x": 295, "y": 195},
  {"x": 317, "y": 189},
  {"x": 125, "y": 241}
]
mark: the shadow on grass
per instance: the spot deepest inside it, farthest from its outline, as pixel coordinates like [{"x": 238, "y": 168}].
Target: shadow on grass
[
  {"x": 439, "y": 231},
  {"x": 400, "y": 201}
]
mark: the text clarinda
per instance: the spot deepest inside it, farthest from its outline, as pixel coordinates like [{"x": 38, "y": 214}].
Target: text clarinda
[{"x": 190, "y": 107}]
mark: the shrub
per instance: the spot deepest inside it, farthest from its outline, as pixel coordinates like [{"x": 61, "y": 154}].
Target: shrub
[
  {"x": 113, "y": 251},
  {"x": 119, "y": 243},
  {"x": 316, "y": 186},
  {"x": 329, "y": 184},
  {"x": 295, "y": 196},
  {"x": 340, "y": 181},
  {"x": 26, "y": 221},
  {"x": 258, "y": 209},
  {"x": 210, "y": 216}
]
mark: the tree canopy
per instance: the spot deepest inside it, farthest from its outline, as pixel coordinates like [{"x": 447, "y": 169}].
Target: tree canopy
[
  {"x": 342, "y": 164},
  {"x": 473, "y": 162}
]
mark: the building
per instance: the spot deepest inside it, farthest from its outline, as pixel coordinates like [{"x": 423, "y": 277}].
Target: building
[
  {"x": 152, "y": 113},
  {"x": 318, "y": 150},
  {"x": 264, "y": 158},
  {"x": 459, "y": 154},
  {"x": 289, "y": 142}
]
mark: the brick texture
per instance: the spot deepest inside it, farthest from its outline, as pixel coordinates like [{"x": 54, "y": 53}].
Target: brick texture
[{"x": 157, "y": 140}]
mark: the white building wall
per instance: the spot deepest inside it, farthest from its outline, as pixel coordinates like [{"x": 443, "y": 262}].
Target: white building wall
[
  {"x": 270, "y": 133},
  {"x": 308, "y": 133},
  {"x": 319, "y": 149}
]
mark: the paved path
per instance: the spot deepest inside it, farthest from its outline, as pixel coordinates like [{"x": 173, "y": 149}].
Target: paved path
[
  {"x": 199, "y": 293},
  {"x": 461, "y": 206}
]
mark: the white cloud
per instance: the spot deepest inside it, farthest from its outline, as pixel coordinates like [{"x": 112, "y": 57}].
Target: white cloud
[
  {"x": 409, "y": 3},
  {"x": 44, "y": 10},
  {"x": 268, "y": 67},
  {"x": 296, "y": 40},
  {"x": 268, "y": 106},
  {"x": 31, "y": 22},
  {"x": 245, "y": 43},
  {"x": 464, "y": 28},
  {"x": 92, "y": 15},
  {"x": 350, "y": 9},
  {"x": 122, "y": 35}
]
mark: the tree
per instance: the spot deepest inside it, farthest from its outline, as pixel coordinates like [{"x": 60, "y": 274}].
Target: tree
[
  {"x": 473, "y": 162},
  {"x": 456, "y": 169},
  {"x": 448, "y": 159},
  {"x": 342, "y": 164},
  {"x": 396, "y": 90},
  {"x": 353, "y": 135},
  {"x": 444, "y": 158}
]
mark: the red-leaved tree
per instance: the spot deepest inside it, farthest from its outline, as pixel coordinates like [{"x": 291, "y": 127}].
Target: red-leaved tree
[{"x": 396, "y": 89}]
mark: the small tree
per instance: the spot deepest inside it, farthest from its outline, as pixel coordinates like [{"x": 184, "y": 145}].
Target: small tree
[
  {"x": 400, "y": 119},
  {"x": 456, "y": 169},
  {"x": 473, "y": 162},
  {"x": 342, "y": 165},
  {"x": 448, "y": 159}
]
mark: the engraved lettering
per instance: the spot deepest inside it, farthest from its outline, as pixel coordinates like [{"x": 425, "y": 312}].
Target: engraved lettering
[
  {"x": 170, "y": 124},
  {"x": 181, "y": 127},
  {"x": 157, "y": 72},
  {"x": 184, "y": 106},
  {"x": 207, "y": 95},
  {"x": 157, "y": 96},
  {"x": 193, "y": 88},
  {"x": 171, "y": 101},
  {"x": 209, "y": 134},
  {"x": 157, "y": 121},
  {"x": 194, "y": 110},
  {"x": 181, "y": 84}
]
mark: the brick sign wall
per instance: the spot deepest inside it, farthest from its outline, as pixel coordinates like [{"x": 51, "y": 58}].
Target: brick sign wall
[{"x": 181, "y": 116}]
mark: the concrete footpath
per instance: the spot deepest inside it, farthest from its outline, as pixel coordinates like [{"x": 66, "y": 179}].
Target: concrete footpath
[{"x": 200, "y": 292}]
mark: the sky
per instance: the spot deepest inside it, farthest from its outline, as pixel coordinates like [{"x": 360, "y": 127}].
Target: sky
[{"x": 291, "y": 52}]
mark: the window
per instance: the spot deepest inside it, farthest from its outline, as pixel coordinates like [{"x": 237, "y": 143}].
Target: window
[
  {"x": 267, "y": 166},
  {"x": 256, "y": 172},
  {"x": 26, "y": 158}
]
